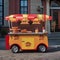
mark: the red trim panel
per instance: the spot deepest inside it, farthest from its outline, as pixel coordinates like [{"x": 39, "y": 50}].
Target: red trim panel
[{"x": 7, "y": 42}]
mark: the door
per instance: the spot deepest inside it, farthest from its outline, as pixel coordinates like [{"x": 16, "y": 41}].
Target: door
[
  {"x": 59, "y": 19},
  {"x": 27, "y": 42}
]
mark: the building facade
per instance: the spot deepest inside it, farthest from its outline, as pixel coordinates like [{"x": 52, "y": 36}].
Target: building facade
[{"x": 49, "y": 7}]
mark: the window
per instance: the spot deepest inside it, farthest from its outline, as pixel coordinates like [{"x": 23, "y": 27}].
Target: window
[
  {"x": 23, "y": 6},
  {"x": 1, "y": 12},
  {"x": 0, "y": 7},
  {"x": 55, "y": 3},
  {"x": 0, "y": 2}
]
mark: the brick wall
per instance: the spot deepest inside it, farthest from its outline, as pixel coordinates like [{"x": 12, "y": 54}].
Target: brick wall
[
  {"x": 35, "y": 3},
  {"x": 14, "y": 6}
]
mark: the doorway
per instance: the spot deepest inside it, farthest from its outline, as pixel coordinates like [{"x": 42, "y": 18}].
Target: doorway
[{"x": 55, "y": 14}]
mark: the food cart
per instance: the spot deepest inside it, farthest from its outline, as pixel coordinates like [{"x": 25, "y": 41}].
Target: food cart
[{"x": 27, "y": 32}]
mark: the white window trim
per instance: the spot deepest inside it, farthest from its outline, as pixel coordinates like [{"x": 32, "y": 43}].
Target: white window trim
[{"x": 54, "y": 7}]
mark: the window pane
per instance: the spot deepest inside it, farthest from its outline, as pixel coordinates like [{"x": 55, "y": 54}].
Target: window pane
[
  {"x": 25, "y": 12},
  {"x": 25, "y": 3},
  {"x": 25, "y": 9},
  {"x": 0, "y": 20},
  {"x": 23, "y": 0},
  {"x": 22, "y": 3},
  {"x": 0, "y": 2},
  {"x": 23, "y": 6},
  {"x": 0, "y": 17},
  {"x": 0, "y": 13},
  {"x": 22, "y": 9},
  {"x": 0, "y": 8},
  {"x": 0, "y": 23},
  {"x": 21, "y": 12}
]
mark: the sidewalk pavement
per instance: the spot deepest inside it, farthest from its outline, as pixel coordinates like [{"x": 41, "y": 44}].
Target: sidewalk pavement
[{"x": 2, "y": 43}]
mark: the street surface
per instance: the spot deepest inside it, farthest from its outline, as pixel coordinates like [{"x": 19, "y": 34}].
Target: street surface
[
  {"x": 53, "y": 53},
  {"x": 8, "y": 55}
]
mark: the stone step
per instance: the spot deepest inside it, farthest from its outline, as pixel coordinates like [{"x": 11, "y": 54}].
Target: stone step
[{"x": 54, "y": 36}]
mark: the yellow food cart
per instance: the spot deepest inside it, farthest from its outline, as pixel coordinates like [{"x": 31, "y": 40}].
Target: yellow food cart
[{"x": 27, "y": 32}]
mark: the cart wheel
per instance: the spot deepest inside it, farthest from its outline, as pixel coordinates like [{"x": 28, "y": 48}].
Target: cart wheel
[
  {"x": 42, "y": 48},
  {"x": 15, "y": 49}
]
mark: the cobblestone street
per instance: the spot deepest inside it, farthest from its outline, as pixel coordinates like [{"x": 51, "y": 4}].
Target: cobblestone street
[{"x": 53, "y": 53}]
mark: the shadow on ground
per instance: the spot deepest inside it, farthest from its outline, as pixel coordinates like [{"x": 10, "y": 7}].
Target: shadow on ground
[
  {"x": 50, "y": 50},
  {"x": 53, "y": 49}
]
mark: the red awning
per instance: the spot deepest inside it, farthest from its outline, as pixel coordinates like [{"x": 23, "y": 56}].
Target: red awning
[
  {"x": 44, "y": 17},
  {"x": 32, "y": 17},
  {"x": 14, "y": 17},
  {"x": 18, "y": 16},
  {"x": 7, "y": 18}
]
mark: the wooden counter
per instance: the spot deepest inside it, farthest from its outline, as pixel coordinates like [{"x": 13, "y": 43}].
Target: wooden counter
[{"x": 33, "y": 33}]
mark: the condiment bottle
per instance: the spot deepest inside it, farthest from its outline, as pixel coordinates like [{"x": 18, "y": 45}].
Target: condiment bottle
[{"x": 36, "y": 30}]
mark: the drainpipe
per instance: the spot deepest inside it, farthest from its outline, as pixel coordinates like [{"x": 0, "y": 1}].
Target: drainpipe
[{"x": 48, "y": 13}]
